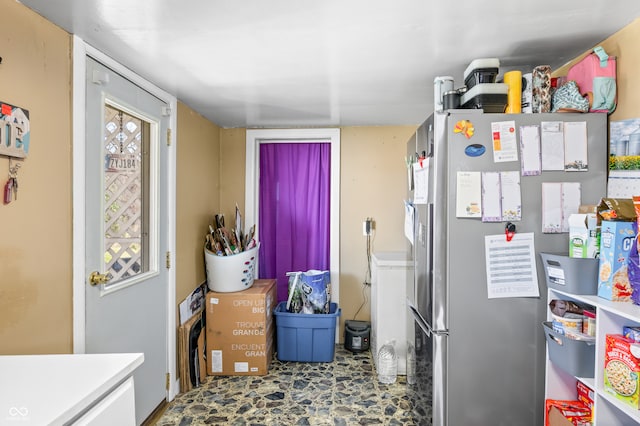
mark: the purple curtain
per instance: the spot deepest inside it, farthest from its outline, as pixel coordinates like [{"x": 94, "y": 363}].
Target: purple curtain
[{"x": 294, "y": 209}]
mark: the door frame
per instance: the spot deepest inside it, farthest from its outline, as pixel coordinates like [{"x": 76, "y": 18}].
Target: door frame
[
  {"x": 80, "y": 51},
  {"x": 329, "y": 135}
]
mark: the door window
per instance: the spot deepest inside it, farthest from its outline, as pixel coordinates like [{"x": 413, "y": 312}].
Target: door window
[{"x": 126, "y": 203}]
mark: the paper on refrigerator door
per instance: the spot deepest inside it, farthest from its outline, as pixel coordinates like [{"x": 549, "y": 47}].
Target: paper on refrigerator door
[
  {"x": 468, "y": 195},
  {"x": 420, "y": 182},
  {"x": 559, "y": 201},
  {"x": 552, "y": 145},
  {"x": 571, "y": 196},
  {"x": 511, "y": 266},
  {"x": 409, "y": 217},
  {"x": 501, "y": 198},
  {"x": 551, "y": 207},
  {"x": 491, "y": 197},
  {"x": 505, "y": 147},
  {"x": 530, "y": 149},
  {"x": 511, "y": 197},
  {"x": 575, "y": 146}
]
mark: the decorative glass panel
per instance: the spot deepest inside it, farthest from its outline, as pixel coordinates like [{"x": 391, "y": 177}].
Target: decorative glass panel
[{"x": 126, "y": 208}]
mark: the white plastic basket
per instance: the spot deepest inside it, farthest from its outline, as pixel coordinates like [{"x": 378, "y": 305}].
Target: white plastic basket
[{"x": 227, "y": 274}]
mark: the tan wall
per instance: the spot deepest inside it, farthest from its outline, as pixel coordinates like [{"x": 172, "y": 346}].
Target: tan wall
[
  {"x": 36, "y": 230},
  {"x": 233, "y": 147},
  {"x": 197, "y": 188},
  {"x": 372, "y": 184},
  {"x": 625, "y": 47}
]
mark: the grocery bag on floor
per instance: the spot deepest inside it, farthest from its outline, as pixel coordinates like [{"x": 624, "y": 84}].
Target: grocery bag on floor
[{"x": 309, "y": 292}]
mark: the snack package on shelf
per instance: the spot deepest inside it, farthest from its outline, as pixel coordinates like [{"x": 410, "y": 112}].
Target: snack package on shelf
[
  {"x": 632, "y": 333},
  {"x": 574, "y": 413},
  {"x": 586, "y": 395},
  {"x": 633, "y": 261}
]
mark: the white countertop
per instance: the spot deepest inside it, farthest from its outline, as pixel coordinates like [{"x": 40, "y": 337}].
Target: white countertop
[{"x": 53, "y": 389}]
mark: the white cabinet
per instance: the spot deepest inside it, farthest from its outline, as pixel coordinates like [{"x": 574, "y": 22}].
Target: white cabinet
[
  {"x": 391, "y": 275},
  {"x": 118, "y": 407},
  {"x": 83, "y": 389},
  {"x": 610, "y": 317}
]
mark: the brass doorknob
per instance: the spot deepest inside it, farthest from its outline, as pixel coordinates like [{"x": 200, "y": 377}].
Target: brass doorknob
[{"x": 96, "y": 278}]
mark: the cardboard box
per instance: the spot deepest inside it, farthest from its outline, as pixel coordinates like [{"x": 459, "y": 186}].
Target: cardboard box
[
  {"x": 622, "y": 369},
  {"x": 240, "y": 330},
  {"x": 584, "y": 235},
  {"x": 616, "y": 239}
]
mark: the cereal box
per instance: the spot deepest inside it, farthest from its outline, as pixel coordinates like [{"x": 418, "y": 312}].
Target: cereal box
[
  {"x": 616, "y": 239},
  {"x": 621, "y": 369}
]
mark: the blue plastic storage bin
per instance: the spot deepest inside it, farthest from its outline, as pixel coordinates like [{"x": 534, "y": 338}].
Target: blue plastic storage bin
[{"x": 306, "y": 337}]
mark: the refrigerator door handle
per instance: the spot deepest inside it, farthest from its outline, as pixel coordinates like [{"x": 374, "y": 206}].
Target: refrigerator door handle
[
  {"x": 423, "y": 324},
  {"x": 429, "y": 248}
]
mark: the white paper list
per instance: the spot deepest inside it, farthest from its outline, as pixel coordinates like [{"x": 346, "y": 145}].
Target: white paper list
[{"x": 511, "y": 266}]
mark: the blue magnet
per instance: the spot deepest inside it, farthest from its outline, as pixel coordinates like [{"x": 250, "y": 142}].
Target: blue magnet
[{"x": 474, "y": 150}]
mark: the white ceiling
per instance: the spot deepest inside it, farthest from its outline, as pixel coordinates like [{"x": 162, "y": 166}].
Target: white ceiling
[{"x": 290, "y": 63}]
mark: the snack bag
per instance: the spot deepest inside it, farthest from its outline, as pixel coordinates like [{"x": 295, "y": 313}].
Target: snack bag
[
  {"x": 633, "y": 271},
  {"x": 309, "y": 292},
  {"x": 633, "y": 268}
]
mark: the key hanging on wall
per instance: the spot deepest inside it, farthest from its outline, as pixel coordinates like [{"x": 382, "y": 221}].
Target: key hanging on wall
[{"x": 11, "y": 187}]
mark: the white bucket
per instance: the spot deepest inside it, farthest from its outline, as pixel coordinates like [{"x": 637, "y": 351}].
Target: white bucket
[{"x": 227, "y": 274}]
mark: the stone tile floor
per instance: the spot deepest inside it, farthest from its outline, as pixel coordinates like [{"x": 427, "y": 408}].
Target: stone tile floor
[{"x": 343, "y": 392}]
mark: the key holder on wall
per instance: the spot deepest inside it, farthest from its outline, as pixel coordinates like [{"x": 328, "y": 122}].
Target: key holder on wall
[
  {"x": 14, "y": 143},
  {"x": 15, "y": 132}
]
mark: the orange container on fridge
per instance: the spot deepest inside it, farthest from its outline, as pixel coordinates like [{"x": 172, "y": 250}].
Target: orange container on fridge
[{"x": 513, "y": 79}]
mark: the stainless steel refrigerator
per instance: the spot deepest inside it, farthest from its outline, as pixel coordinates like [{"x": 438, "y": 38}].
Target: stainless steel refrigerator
[{"x": 480, "y": 361}]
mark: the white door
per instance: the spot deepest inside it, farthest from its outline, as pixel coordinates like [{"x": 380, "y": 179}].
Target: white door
[
  {"x": 126, "y": 228},
  {"x": 254, "y": 138}
]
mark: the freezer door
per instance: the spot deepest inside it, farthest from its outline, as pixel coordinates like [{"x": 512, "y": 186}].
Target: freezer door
[
  {"x": 423, "y": 258},
  {"x": 428, "y": 393},
  {"x": 423, "y": 231},
  {"x": 437, "y": 225}
]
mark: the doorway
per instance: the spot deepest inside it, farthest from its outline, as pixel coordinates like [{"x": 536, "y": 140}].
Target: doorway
[
  {"x": 124, "y": 222},
  {"x": 332, "y": 136}
]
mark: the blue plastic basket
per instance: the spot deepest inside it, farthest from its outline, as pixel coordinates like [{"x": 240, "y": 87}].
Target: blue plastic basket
[{"x": 306, "y": 337}]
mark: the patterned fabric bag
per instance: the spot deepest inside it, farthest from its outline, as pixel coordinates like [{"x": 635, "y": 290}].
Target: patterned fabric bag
[
  {"x": 567, "y": 98},
  {"x": 595, "y": 75}
]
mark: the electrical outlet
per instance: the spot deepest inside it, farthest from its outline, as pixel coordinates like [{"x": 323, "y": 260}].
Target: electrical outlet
[{"x": 367, "y": 227}]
